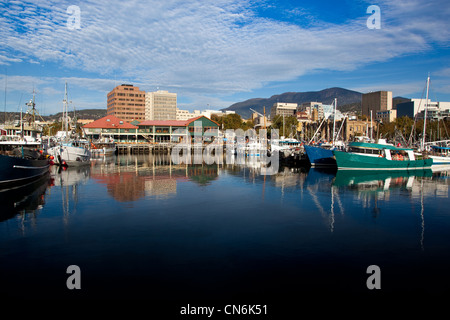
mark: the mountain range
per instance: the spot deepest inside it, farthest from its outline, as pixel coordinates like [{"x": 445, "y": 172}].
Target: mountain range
[{"x": 347, "y": 100}]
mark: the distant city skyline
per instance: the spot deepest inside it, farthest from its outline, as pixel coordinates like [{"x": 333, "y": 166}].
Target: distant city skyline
[{"x": 215, "y": 54}]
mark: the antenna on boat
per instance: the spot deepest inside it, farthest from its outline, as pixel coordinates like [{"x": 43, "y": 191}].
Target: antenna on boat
[
  {"x": 425, "y": 114},
  {"x": 334, "y": 121}
]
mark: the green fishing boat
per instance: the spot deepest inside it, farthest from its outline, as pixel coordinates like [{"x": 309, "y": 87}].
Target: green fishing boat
[{"x": 379, "y": 156}]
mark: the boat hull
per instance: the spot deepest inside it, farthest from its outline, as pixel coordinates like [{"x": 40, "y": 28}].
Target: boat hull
[
  {"x": 72, "y": 156},
  {"x": 15, "y": 171},
  {"x": 354, "y": 161},
  {"x": 440, "y": 161},
  {"x": 320, "y": 157}
]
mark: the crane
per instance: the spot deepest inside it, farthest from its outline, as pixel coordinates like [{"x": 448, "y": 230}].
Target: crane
[{"x": 261, "y": 115}]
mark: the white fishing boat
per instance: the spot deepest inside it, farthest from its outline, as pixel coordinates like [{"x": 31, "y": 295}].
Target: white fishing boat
[
  {"x": 103, "y": 148},
  {"x": 67, "y": 150},
  {"x": 438, "y": 150}
]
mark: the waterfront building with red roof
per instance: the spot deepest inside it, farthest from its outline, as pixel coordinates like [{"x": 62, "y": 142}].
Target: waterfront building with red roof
[{"x": 150, "y": 131}]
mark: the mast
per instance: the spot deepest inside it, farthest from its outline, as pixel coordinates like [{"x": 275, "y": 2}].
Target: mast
[
  {"x": 65, "y": 115},
  {"x": 6, "y": 85},
  {"x": 334, "y": 121},
  {"x": 425, "y": 114}
]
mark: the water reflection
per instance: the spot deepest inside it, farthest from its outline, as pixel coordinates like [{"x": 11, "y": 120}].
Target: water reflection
[
  {"x": 25, "y": 202},
  {"x": 130, "y": 178},
  {"x": 209, "y": 224}
]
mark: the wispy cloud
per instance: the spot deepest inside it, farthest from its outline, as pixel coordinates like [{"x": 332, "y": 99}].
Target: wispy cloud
[{"x": 219, "y": 47}]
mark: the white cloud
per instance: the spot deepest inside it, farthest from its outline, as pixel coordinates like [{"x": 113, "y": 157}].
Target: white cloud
[{"x": 203, "y": 48}]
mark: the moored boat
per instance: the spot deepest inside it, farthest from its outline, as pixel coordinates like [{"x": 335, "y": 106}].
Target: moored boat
[
  {"x": 320, "y": 156},
  {"x": 22, "y": 166},
  {"x": 440, "y": 156},
  {"x": 376, "y": 156}
]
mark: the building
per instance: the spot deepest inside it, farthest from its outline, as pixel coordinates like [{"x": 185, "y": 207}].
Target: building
[
  {"x": 313, "y": 109},
  {"x": 260, "y": 121},
  {"x": 183, "y": 115},
  {"x": 376, "y": 101},
  {"x": 160, "y": 105},
  {"x": 126, "y": 102},
  {"x": 167, "y": 131},
  {"x": 111, "y": 127},
  {"x": 386, "y": 116},
  {"x": 416, "y": 106},
  {"x": 283, "y": 108}
]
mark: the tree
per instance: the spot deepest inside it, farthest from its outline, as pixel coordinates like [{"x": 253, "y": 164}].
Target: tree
[
  {"x": 286, "y": 127},
  {"x": 231, "y": 121}
]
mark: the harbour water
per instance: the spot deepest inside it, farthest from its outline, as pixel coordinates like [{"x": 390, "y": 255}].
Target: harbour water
[{"x": 139, "y": 227}]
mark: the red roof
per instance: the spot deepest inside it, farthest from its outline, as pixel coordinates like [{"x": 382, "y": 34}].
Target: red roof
[
  {"x": 110, "y": 122},
  {"x": 173, "y": 123}
]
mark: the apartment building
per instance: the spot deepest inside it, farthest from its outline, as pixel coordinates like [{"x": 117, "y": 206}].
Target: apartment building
[
  {"x": 160, "y": 105},
  {"x": 376, "y": 101},
  {"x": 126, "y": 102}
]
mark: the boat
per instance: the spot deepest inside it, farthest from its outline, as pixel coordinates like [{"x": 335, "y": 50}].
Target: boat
[
  {"x": 21, "y": 166},
  {"x": 69, "y": 151},
  {"x": 286, "y": 146},
  {"x": 440, "y": 156},
  {"x": 379, "y": 156},
  {"x": 103, "y": 148},
  {"x": 322, "y": 155}
]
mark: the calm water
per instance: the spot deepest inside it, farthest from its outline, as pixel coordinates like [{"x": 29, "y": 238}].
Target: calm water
[{"x": 139, "y": 227}]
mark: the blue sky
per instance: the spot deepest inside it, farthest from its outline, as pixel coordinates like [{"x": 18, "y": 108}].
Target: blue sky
[{"x": 215, "y": 53}]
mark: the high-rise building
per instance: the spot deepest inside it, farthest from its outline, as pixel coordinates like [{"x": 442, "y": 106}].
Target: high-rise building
[
  {"x": 127, "y": 103},
  {"x": 283, "y": 108},
  {"x": 160, "y": 105},
  {"x": 376, "y": 101}
]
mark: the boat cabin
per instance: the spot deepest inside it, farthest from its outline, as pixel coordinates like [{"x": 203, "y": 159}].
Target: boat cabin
[{"x": 387, "y": 151}]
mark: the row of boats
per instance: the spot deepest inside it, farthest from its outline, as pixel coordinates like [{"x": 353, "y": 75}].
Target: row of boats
[
  {"x": 377, "y": 156},
  {"x": 22, "y": 161}
]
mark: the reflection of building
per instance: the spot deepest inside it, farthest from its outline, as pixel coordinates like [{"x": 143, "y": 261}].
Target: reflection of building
[
  {"x": 160, "y": 187},
  {"x": 133, "y": 178}
]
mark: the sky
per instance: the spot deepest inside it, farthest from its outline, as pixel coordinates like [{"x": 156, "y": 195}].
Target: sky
[{"x": 215, "y": 53}]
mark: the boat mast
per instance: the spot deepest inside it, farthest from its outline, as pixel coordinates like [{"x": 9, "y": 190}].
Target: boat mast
[
  {"x": 334, "y": 121},
  {"x": 65, "y": 111},
  {"x": 425, "y": 114}
]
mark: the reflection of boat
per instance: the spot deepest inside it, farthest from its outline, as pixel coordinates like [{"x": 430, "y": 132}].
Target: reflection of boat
[
  {"x": 70, "y": 176},
  {"x": 27, "y": 197},
  {"x": 379, "y": 156},
  {"x": 378, "y": 180},
  {"x": 21, "y": 166}
]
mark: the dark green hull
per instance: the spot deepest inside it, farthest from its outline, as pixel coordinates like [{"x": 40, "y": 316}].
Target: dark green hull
[{"x": 354, "y": 161}]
